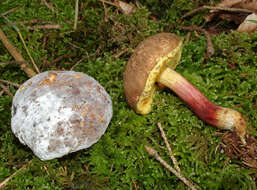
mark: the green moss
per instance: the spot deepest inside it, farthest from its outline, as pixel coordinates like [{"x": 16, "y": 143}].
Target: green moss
[{"x": 229, "y": 79}]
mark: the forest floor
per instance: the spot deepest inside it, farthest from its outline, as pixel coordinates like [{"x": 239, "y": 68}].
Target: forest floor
[{"x": 99, "y": 43}]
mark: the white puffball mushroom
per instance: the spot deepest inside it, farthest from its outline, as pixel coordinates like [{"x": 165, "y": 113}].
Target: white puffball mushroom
[{"x": 59, "y": 112}]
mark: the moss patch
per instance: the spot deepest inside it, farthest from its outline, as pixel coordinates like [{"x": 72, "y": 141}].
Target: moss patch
[{"x": 229, "y": 79}]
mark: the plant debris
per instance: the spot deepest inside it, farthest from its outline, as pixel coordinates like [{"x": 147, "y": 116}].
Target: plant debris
[
  {"x": 238, "y": 17},
  {"x": 122, "y": 6},
  {"x": 235, "y": 150},
  {"x": 248, "y": 25}
]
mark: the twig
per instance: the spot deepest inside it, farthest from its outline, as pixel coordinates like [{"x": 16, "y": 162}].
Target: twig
[
  {"x": 121, "y": 53},
  {"x": 72, "y": 68},
  {"x": 1, "y": 92},
  {"x": 188, "y": 37},
  {"x": 105, "y": 13},
  {"x": 24, "y": 44},
  {"x": 45, "y": 168},
  {"x": 154, "y": 153},
  {"x": 11, "y": 62},
  {"x": 4, "y": 183},
  {"x": 59, "y": 58},
  {"x": 215, "y": 8},
  {"x": 46, "y": 26},
  {"x": 168, "y": 147},
  {"x": 10, "y": 10},
  {"x": 17, "y": 56},
  {"x": 7, "y": 91},
  {"x": 210, "y": 48},
  {"x": 76, "y": 15},
  {"x": 49, "y": 6},
  {"x": 108, "y": 2},
  {"x": 45, "y": 40},
  {"x": 135, "y": 185},
  {"x": 27, "y": 50},
  {"x": 32, "y": 21},
  {"x": 11, "y": 83}
]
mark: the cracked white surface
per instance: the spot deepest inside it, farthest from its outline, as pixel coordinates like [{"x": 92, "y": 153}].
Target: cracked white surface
[{"x": 58, "y": 112}]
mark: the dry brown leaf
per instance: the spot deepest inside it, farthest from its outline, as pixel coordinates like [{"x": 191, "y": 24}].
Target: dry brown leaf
[
  {"x": 121, "y": 6},
  {"x": 247, "y": 25},
  {"x": 125, "y": 7}
]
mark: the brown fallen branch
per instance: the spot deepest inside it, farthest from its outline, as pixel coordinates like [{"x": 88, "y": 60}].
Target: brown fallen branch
[
  {"x": 215, "y": 8},
  {"x": 17, "y": 56},
  {"x": 210, "y": 48},
  {"x": 154, "y": 153}
]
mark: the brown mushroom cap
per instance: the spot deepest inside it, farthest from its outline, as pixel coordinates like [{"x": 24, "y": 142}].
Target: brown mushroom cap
[{"x": 149, "y": 59}]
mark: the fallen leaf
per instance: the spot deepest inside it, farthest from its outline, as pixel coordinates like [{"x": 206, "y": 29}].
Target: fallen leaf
[
  {"x": 125, "y": 7},
  {"x": 248, "y": 25}
]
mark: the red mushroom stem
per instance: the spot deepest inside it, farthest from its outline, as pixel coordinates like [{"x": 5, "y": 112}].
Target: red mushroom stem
[{"x": 223, "y": 118}]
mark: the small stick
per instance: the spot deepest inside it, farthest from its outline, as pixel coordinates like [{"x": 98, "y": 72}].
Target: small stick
[
  {"x": 135, "y": 185},
  {"x": 32, "y": 21},
  {"x": 11, "y": 62},
  {"x": 4, "y": 183},
  {"x": 76, "y": 15},
  {"x": 72, "y": 68},
  {"x": 11, "y": 83},
  {"x": 7, "y": 91},
  {"x": 168, "y": 147},
  {"x": 45, "y": 40},
  {"x": 23, "y": 42},
  {"x": 121, "y": 53},
  {"x": 46, "y": 26},
  {"x": 105, "y": 13},
  {"x": 10, "y": 10},
  {"x": 45, "y": 168},
  {"x": 27, "y": 50},
  {"x": 49, "y": 6},
  {"x": 108, "y": 2},
  {"x": 215, "y": 8},
  {"x": 17, "y": 56},
  {"x": 210, "y": 48},
  {"x": 188, "y": 37},
  {"x": 154, "y": 153},
  {"x": 1, "y": 92}
]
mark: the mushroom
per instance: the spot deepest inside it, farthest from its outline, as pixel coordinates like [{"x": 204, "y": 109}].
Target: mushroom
[
  {"x": 152, "y": 63},
  {"x": 59, "y": 112}
]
